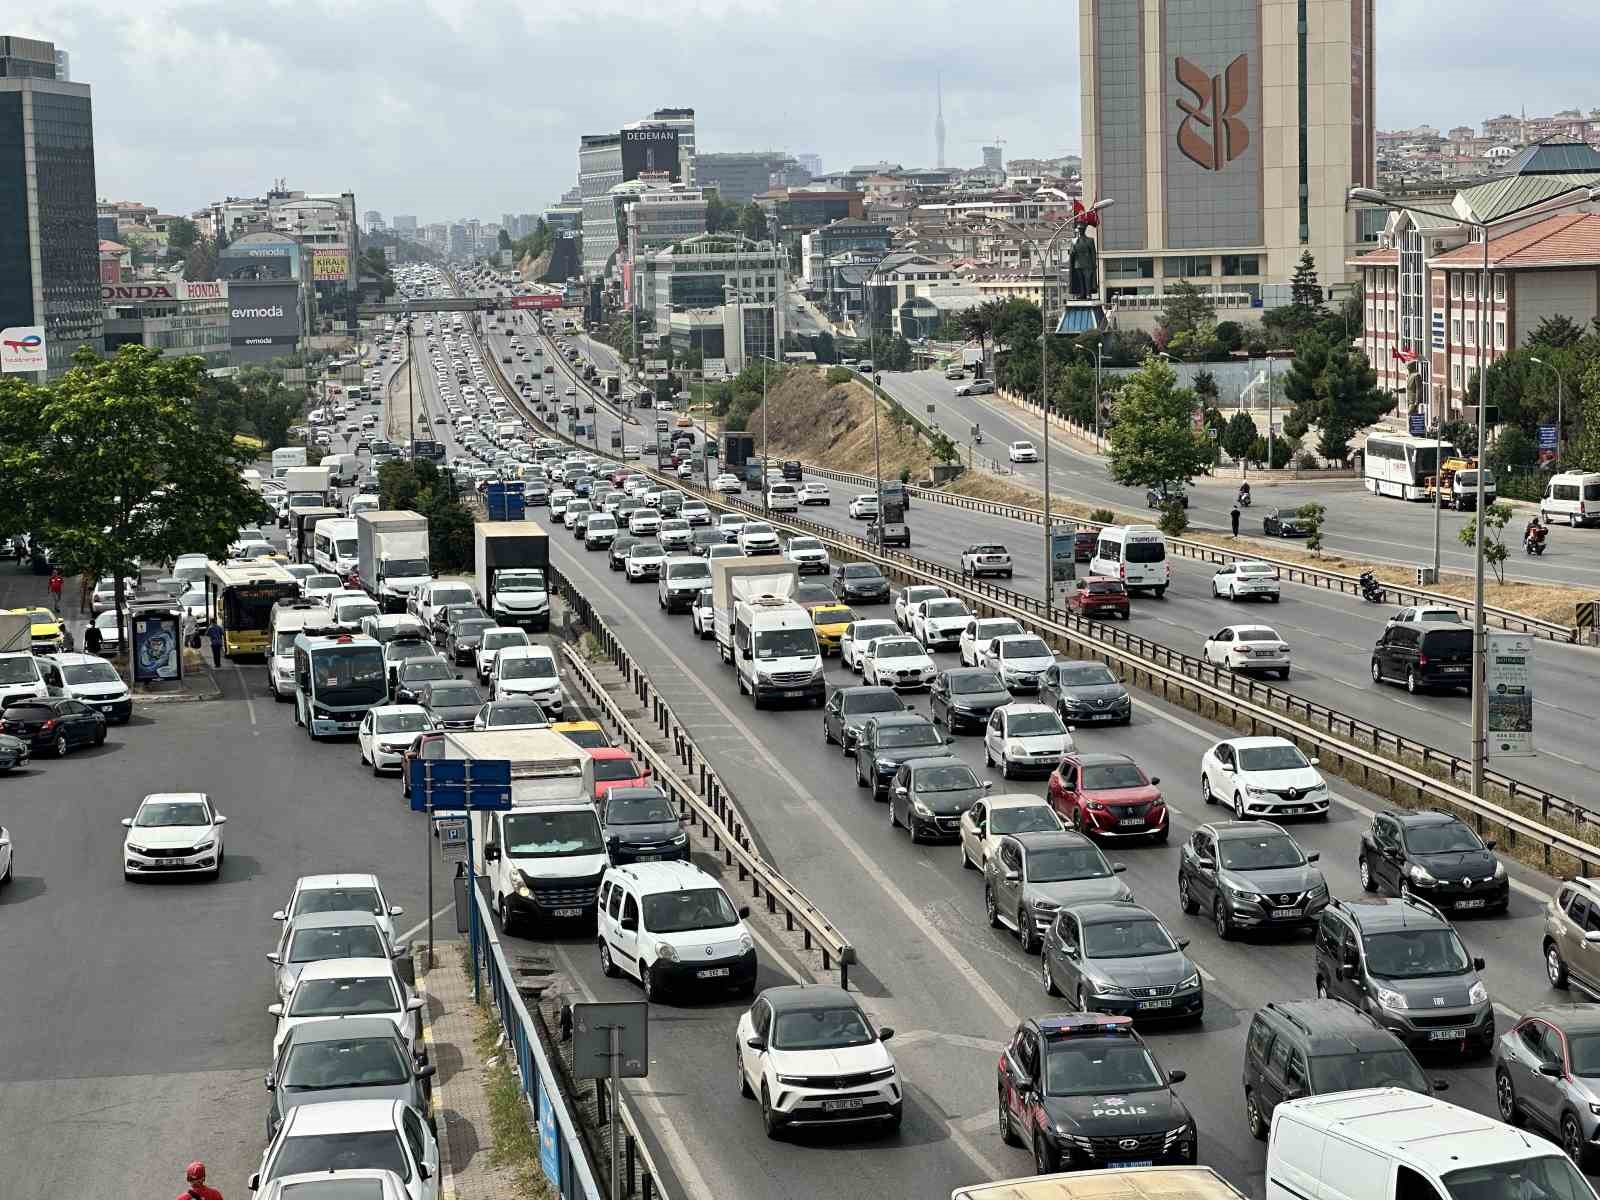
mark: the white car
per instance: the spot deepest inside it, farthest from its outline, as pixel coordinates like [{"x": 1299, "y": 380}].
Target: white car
[
  {"x": 1426, "y": 614},
  {"x": 725, "y": 550},
  {"x": 808, "y": 554},
  {"x": 783, "y": 497},
  {"x": 1022, "y": 452},
  {"x": 1025, "y": 739},
  {"x": 702, "y": 616},
  {"x": 729, "y": 524},
  {"x": 675, "y": 534},
  {"x": 727, "y": 484},
  {"x": 897, "y": 661},
  {"x": 864, "y": 506},
  {"x": 815, "y": 492},
  {"x": 909, "y": 597},
  {"x": 111, "y": 631},
  {"x": 387, "y": 732},
  {"x": 985, "y": 629},
  {"x": 319, "y": 588},
  {"x": 7, "y": 864},
  {"x": 1019, "y": 659},
  {"x": 338, "y": 893},
  {"x": 644, "y": 561},
  {"x": 938, "y": 623},
  {"x": 1262, "y": 777},
  {"x": 993, "y": 817},
  {"x": 853, "y": 644},
  {"x": 321, "y": 937},
  {"x": 757, "y": 537},
  {"x": 350, "y": 987},
  {"x": 91, "y": 679},
  {"x": 529, "y": 673},
  {"x": 696, "y": 513},
  {"x": 1247, "y": 648},
  {"x": 1246, "y": 581},
  {"x": 105, "y": 594},
  {"x": 642, "y": 522},
  {"x": 793, "y": 1044},
  {"x": 351, "y": 1140},
  {"x": 173, "y": 833},
  {"x": 577, "y": 510}
]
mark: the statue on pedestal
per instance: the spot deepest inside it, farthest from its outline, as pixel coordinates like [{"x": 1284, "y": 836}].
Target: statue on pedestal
[{"x": 1083, "y": 258}]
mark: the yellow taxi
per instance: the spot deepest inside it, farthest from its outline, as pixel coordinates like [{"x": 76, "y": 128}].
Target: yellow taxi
[
  {"x": 46, "y": 629},
  {"x": 587, "y": 734},
  {"x": 685, "y": 421},
  {"x": 830, "y": 621}
]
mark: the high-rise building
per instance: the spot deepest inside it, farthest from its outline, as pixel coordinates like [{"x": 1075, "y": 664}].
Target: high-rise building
[
  {"x": 1229, "y": 142},
  {"x": 811, "y": 162},
  {"x": 994, "y": 159},
  {"x": 406, "y": 225},
  {"x": 737, "y": 177},
  {"x": 599, "y": 170},
  {"x": 49, "y": 233},
  {"x": 372, "y": 219},
  {"x": 682, "y": 120},
  {"x": 63, "y": 66}
]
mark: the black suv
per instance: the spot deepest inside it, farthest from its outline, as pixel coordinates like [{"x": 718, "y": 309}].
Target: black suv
[
  {"x": 1401, "y": 962},
  {"x": 1301, "y": 1048},
  {"x": 1250, "y": 875},
  {"x": 1433, "y": 855},
  {"x": 1424, "y": 656}
]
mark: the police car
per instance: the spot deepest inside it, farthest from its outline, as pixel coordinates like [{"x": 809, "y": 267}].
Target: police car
[{"x": 1082, "y": 1090}]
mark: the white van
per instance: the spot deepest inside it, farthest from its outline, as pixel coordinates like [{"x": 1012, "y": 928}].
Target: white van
[
  {"x": 671, "y": 926},
  {"x": 20, "y": 678},
  {"x": 333, "y": 546},
  {"x": 289, "y": 619},
  {"x": 342, "y": 468},
  {"x": 1135, "y": 554},
  {"x": 1574, "y": 495},
  {"x": 1394, "y": 1144},
  {"x": 285, "y": 457}
]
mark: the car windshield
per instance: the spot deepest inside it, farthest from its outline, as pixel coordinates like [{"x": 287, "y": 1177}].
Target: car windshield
[
  {"x": 1024, "y": 648},
  {"x": 1543, "y": 1176},
  {"x": 821, "y": 1029},
  {"x": 832, "y": 616},
  {"x": 1108, "y": 777},
  {"x": 865, "y": 631},
  {"x": 1024, "y": 818},
  {"x": 519, "y": 581},
  {"x": 406, "y": 568},
  {"x": 100, "y": 672},
  {"x": 472, "y": 627},
  {"x": 158, "y": 814},
  {"x": 968, "y": 682},
  {"x": 861, "y": 571},
  {"x": 551, "y": 835},
  {"x": 785, "y": 643},
  {"x": 403, "y": 648},
  {"x": 911, "y": 734},
  {"x": 1416, "y": 954},
  {"x": 350, "y": 941},
  {"x": 21, "y": 669},
  {"x": 695, "y": 572},
  {"x": 804, "y": 543},
  {"x": 525, "y": 667},
  {"x": 613, "y": 769},
  {"x": 499, "y": 639},
  {"x": 453, "y": 595},
  {"x": 1098, "y": 1067},
  {"x": 454, "y": 696},
  {"x": 1085, "y": 675},
  {"x": 687, "y": 910},
  {"x": 897, "y": 648},
  {"x": 946, "y": 779},
  {"x": 324, "y": 1153},
  {"x": 1443, "y": 838},
  {"x": 516, "y": 714},
  {"x": 1136, "y": 937},
  {"x": 311, "y": 583},
  {"x": 1271, "y": 758},
  {"x": 342, "y": 899},
  {"x": 945, "y": 608},
  {"x": 1267, "y": 853},
  {"x": 1055, "y": 864},
  {"x": 1374, "y": 1068},
  {"x": 354, "y": 610},
  {"x": 645, "y": 550},
  {"x": 639, "y": 809},
  {"x": 1256, "y": 634},
  {"x": 345, "y": 996},
  {"x": 1034, "y": 724},
  {"x": 1002, "y": 627},
  {"x": 345, "y": 1062},
  {"x": 420, "y": 670},
  {"x": 406, "y": 722}
]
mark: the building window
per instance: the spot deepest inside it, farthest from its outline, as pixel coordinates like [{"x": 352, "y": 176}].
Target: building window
[
  {"x": 1186, "y": 266},
  {"x": 1370, "y": 319},
  {"x": 1499, "y": 335},
  {"x": 1455, "y": 287},
  {"x": 1241, "y": 264},
  {"x": 1471, "y": 286},
  {"x": 1302, "y": 32},
  {"x": 1382, "y": 325},
  {"x": 1130, "y": 268},
  {"x": 1499, "y": 287},
  {"x": 1455, "y": 331},
  {"x": 1471, "y": 330},
  {"x": 1455, "y": 376}
]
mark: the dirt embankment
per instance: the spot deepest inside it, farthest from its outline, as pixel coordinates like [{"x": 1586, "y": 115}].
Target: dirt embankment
[{"x": 831, "y": 426}]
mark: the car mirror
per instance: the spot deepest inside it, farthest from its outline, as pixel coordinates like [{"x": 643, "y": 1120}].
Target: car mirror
[
  {"x": 127, "y": 822},
  {"x": 1183, "y": 943},
  {"x": 1023, "y": 1084},
  {"x": 1478, "y": 964},
  {"x": 272, "y": 957},
  {"x": 425, "y": 1072},
  {"x": 1206, "y": 864},
  {"x": 271, "y": 1081},
  {"x": 886, "y": 1033},
  {"x": 254, "y": 1182},
  {"x": 280, "y": 915},
  {"x": 949, "y": 741},
  {"x": 1155, "y": 780},
  {"x": 1552, "y": 1069},
  {"x": 423, "y": 1172},
  {"x": 414, "y": 1004},
  {"x": 1012, "y": 876},
  {"x": 987, "y": 785},
  {"x": 1313, "y": 761},
  {"x": 1314, "y": 856},
  {"x": 744, "y": 912},
  {"x": 275, "y": 1010},
  {"x": 401, "y": 951},
  {"x": 220, "y": 820},
  {"x": 756, "y": 1043},
  {"x": 1489, "y": 844},
  {"x": 1177, "y": 1075},
  {"x": 1352, "y": 962},
  {"x": 491, "y": 854}
]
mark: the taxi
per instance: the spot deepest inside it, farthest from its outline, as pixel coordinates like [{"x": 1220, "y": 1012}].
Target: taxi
[
  {"x": 46, "y": 632},
  {"x": 830, "y": 621},
  {"x": 587, "y": 734}
]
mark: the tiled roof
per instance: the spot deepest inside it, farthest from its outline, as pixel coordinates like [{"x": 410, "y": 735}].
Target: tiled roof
[
  {"x": 1564, "y": 239},
  {"x": 1385, "y": 256}
]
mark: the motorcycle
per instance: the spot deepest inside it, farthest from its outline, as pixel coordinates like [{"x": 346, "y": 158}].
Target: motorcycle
[
  {"x": 1244, "y": 498},
  {"x": 1370, "y": 590},
  {"x": 1533, "y": 541},
  {"x": 977, "y": 439}
]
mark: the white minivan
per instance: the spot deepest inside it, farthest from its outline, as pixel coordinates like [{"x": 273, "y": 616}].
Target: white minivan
[
  {"x": 673, "y": 928},
  {"x": 1574, "y": 495},
  {"x": 1135, "y": 554}
]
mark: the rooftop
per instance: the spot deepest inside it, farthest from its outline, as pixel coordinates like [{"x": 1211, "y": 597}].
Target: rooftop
[{"x": 1565, "y": 239}]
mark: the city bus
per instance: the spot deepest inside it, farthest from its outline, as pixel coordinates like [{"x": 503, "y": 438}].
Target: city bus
[
  {"x": 1402, "y": 466},
  {"x": 242, "y": 596},
  {"x": 337, "y": 678}
]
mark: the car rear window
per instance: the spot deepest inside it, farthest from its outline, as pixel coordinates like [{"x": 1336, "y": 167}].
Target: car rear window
[
  {"x": 1447, "y": 641},
  {"x": 28, "y": 712}
]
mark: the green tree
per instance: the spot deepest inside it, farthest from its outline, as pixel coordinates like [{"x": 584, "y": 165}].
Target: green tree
[
  {"x": 1153, "y": 438},
  {"x": 182, "y": 236},
  {"x": 1494, "y": 545},
  {"x": 503, "y": 240},
  {"x": 1584, "y": 451},
  {"x": 1205, "y": 387},
  {"x": 1304, "y": 290},
  {"x": 201, "y": 260},
  {"x": 1313, "y": 515},
  {"x": 1333, "y": 388},
  {"x": 1230, "y": 336},
  {"x": 720, "y": 217},
  {"x": 1174, "y": 519},
  {"x": 268, "y": 406},
  {"x": 1239, "y": 436},
  {"x": 753, "y": 222},
  {"x": 1463, "y": 435},
  {"x": 1185, "y": 309},
  {"x": 980, "y": 321},
  {"x": 1513, "y": 448},
  {"x": 1557, "y": 331},
  {"x": 825, "y": 350}
]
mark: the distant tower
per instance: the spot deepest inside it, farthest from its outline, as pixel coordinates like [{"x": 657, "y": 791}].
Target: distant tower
[{"x": 938, "y": 121}]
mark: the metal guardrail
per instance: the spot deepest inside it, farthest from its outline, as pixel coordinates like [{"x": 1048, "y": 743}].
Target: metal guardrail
[{"x": 708, "y": 800}]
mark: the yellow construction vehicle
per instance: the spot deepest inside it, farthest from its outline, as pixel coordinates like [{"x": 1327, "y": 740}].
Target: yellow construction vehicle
[{"x": 1457, "y": 484}]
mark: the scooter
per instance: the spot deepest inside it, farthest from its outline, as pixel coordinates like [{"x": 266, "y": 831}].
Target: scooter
[
  {"x": 1244, "y": 499},
  {"x": 977, "y": 438},
  {"x": 1370, "y": 591},
  {"x": 1533, "y": 541}
]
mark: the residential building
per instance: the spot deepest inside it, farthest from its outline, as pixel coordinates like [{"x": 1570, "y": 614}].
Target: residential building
[
  {"x": 116, "y": 261},
  {"x": 599, "y": 170},
  {"x": 49, "y": 232},
  {"x": 405, "y": 225},
  {"x": 1234, "y": 136},
  {"x": 738, "y": 178},
  {"x": 372, "y": 220},
  {"x": 994, "y": 158},
  {"x": 176, "y": 316}
]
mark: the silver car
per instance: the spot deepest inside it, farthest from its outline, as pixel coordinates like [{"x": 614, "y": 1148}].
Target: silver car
[
  {"x": 1032, "y": 876},
  {"x": 1547, "y": 1073}
]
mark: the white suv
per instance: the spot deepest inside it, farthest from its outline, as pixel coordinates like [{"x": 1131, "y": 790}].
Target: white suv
[
  {"x": 529, "y": 673},
  {"x": 671, "y": 926}
]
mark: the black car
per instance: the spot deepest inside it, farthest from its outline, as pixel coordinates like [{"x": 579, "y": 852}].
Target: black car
[
  {"x": 452, "y": 704},
  {"x": 500, "y": 714},
  {"x": 353, "y": 1058},
  {"x": 1290, "y": 524},
  {"x": 641, "y": 825},
  {"x": 1250, "y": 875},
  {"x": 1433, "y": 855},
  {"x": 412, "y": 675},
  {"x": 401, "y": 650},
  {"x": 617, "y": 556},
  {"x": 889, "y": 740},
  {"x": 703, "y": 539},
  {"x": 1084, "y": 1091},
  {"x": 57, "y": 725},
  {"x": 928, "y": 795},
  {"x": 1085, "y": 691},
  {"x": 965, "y": 696},
  {"x": 860, "y": 582},
  {"x": 14, "y": 752},
  {"x": 849, "y": 708},
  {"x": 1423, "y": 656},
  {"x": 448, "y": 616},
  {"x": 464, "y": 637}
]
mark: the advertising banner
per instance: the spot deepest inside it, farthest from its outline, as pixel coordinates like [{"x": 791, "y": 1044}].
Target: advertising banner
[
  {"x": 1063, "y": 565},
  {"x": 1508, "y": 712},
  {"x": 157, "y": 648},
  {"x": 137, "y": 293},
  {"x": 1547, "y": 444},
  {"x": 650, "y": 151},
  {"x": 543, "y": 300},
  {"x": 549, "y": 1145},
  {"x": 330, "y": 265},
  {"x": 22, "y": 349},
  {"x": 1418, "y": 424},
  {"x": 203, "y": 289}
]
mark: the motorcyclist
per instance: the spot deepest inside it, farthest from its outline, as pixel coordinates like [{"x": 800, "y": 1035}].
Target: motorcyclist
[
  {"x": 195, "y": 1175},
  {"x": 1534, "y": 530},
  {"x": 1244, "y": 491}
]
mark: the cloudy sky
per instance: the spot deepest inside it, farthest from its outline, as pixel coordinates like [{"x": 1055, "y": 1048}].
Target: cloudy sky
[{"x": 450, "y": 108}]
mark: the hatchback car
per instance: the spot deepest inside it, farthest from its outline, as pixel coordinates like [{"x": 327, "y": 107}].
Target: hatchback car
[
  {"x": 1547, "y": 1073},
  {"x": 929, "y": 795},
  {"x": 1108, "y": 796},
  {"x": 863, "y": 506},
  {"x": 849, "y": 708},
  {"x": 1020, "y": 660},
  {"x": 1436, "y": 856},
  {"x": 356, "y": 1058},
  {"x": 964, "y": 697},
  {"x": 860, "y": 583},
  {"x": 386, "y": 731},
  {"x": 1120, "y": 958},
  {"x": 1247, "y": 648},
  {"x": 1248, "y": 875},
  {"x": 938, "y": 623},
  {"x": 1031, "y": 876},
  {"x": 982, "y": 631},
  {"x": 1246, "y": 581},
  {"x": 987, "y": 558},
  {"x": 56, "y": 725},
  {"x": 354, "y": 1135},
  {"x": 640, "y": 824},
  {"x": 1025, "y": 739},
  {"x": 1097, "y": 596},
  {"x": 318, "y": 936}
]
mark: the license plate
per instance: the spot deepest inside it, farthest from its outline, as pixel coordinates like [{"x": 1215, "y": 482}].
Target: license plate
[
  {"x": 1130, "y": 821},
  {"x": 712, "y": 973},
  {"x": 841, "y": 1105},
  {"x": 793, "y": 694},
  {"x": 106, "y": 707},
  {"x": 569, "y": 912},
  {"x": 1455, "y": 670},
  {"x": 1142, "y": 1162},
  {"x": 1155, "y": 1003},
  {"x": 1447, "y": 1035},
  {"x": 646, "y": 857},
  {"x": 1286, "y": 912},
  {"x": 1478, "y": 903}
]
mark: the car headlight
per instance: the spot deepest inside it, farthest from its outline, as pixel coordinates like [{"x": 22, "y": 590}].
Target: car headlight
[
  {"x": 680, "y": 839},
  {"x": 921, "y": 809},
  {"x": 1258, "y": 793},
  {"x": 881, "y": 1073},
  {"x": 132, "y": 849},
  {"x": 1244, "y": 894},
  {"x": 523, "y": 891},
  {"x": 1016, "y": 748},
  {"x": 746, "y": 943},
  {"x": 1319, "y": 891},
  {"x": 1392, "y": 999},
  {"x": 1478, "y": 994},
  {"x": 792, "y": 1080},
  {"x": 1110, "y": 989},
  {"x": 203, "y": 846},
  {"x": 1192, "y": 982},
  {"x": 666, "y": 953},
  {"x": 1499, "y": 870},
  {"x": 1420, "y": 874}
]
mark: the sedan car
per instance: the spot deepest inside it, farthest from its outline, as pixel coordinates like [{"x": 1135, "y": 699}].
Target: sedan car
[
  {"x": 1287, "y": 523},
  {"x": 928, "y": 796},
  {"x": 987, "y": 821},
  {"x": 520, "y": 713},
  {"x": 850, "y": 708},
  {"x": 1020, "y": 660},
  {"x": 1262, "y": 776},
  {"x": 1023, "y": 739},
  {"x": 451, "y": 704},
  {"x": 1246, "y": 581},
  {"x": 1086, "y": 692},
  {"x": 1247, "y": 648},
  {"x": 14, "y": 752},
  {"x": 1249, "y": 875},
  {"x": 355, "y": 1139},
  {"x": 890, "y": 739},
  {"x": 387, "y": 730},
  {"x": 964, "y": 698},
  {"x": 461, "y": 643},
  {"x": 338, "y": 893},
  {"x": 1121, "y": 959},
  {"x": 1031, "y": 876},
  {"x": 413, "y": 673},
  {"x": 980, "y": 632},
  {"x": 348, "y": 987},
  {"x": 57, "y": 725},
  {"x": 644, "y": 561},
  {"x": 860, "y": 583},
  {"x": 727, "y": 485},
  {"x": 815, "y": 492},
  {"x": 897, "y": 662},
  {"x": 173, "y": 833},
  {"x": 937, "y": 624},
  {"x": 864, "y": 505},
  {"x": 1436, "y": 856},
  {"x": 1108, "y": 796},
  {"x": 908, "y": 598},
  {"x": 318, "y": 936},
  {"x": 356, "y": 1058},
  {"x": 1022, "y": 452}
]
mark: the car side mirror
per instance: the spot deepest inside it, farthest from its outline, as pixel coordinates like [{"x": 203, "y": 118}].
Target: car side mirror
[
  {"x": 1551, "y": 1069},
  {"x": 1489, "y": 844},
  {"x": 744, "y": 912},
  {"x": 1478, "y": 964},
  {"x": 423, "y": 1172},
  {"x": 1155, "y": 780},
  {"x": 987, "y": 785},
  {"x": 220, "y": 820},
  {"x": 271, "y": 1081},
  {"x": 1313, "y": 761},
  {"x": 401, "y": 951},
  {"x": 280, "y": 915},
  {"x": 949, "y": 741},
  {"x": 427, "y": 1071},
  {"x": 1352, "y": 962},
  {"x": 1183, "y": 943},
  {"x": 275, "y": 1010},
  {"x": 254, "y": 1182},
  {"x": 491, "y": 854},
  {"x": 414, "y": 1004},
  {"x": 272, "y": 957},
  {"x": 1441, "y": 1085},
  {"x": 127, "y": 822},
  {"x": 885, "y": 1033},
  {"x": 1012, "y": 876},
  {"x": 1177, "y": 1075},
  {"x": 756, "y": 1043},
  {"x": 1206, "y": 864}
]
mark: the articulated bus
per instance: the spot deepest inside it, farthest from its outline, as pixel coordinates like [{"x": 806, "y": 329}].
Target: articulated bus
[
  {"x": 242, "y": 595},
  {"x": 1401, "y": 466},
  {"x": 337, "y": 678}
]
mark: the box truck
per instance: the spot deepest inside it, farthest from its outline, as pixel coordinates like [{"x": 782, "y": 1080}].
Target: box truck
[
  {"x": 513, "y": 563},
  {"x": 734, "y": 579},
  {"x": 305, "y": 487},
  {"x": 392, "y": 555},
  {"x": 285, "y": 457},
  {"x": 302, "y": 531}
]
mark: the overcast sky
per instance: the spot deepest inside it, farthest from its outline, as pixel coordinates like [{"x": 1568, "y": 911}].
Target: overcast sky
[{"x": 451, "y": 108}]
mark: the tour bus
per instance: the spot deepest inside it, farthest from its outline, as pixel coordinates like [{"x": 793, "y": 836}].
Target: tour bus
[
  {"x": 336, "y": 680},
  {"x": 333, "y": 547},
  {"x": 1400, "y": 466},
  {"x": 242, "y": 595}
]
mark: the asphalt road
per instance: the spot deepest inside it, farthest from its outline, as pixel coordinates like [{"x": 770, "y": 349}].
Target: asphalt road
[{"x": 930, "y": 965}]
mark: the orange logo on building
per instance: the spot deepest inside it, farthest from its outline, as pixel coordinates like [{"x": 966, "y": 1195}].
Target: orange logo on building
[{"x": 1211, "y": 134}]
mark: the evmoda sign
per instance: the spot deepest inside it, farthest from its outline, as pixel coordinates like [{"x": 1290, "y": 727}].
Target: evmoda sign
[
  {"x": 263, "y": 319},
  {"x": 22, "y": 349}
]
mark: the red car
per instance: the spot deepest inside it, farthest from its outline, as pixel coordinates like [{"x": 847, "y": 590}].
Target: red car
[
  {"x": 1098, "y": 596},
  {"x": 1109, "y": 796},
  {"x": 424, "y": 745},
  {"x": 1083, "y": 544},
  {"x": 614, "y": 767}
]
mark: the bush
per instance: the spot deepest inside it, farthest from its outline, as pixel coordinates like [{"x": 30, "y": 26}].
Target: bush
[
  {"x": 1174, "y": 520},
  {"x": 905, "y": 474},
  {"x": 1307, "y": 461},
  {"x": 839, "y": 375},
  {"x": 1104, "y": 516}
]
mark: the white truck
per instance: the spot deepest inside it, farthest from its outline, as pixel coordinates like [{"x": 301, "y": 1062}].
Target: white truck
[
  {"x": 305, "y": 487},
  {"x": 392, "y": 555},
  {"x": 543, "y": 857},
  {"x": 20, "y": 676},
  {"x": 776, "y": 654},
  {"x": 285, "y": 457},
  {"x": 734, "y": 579},
  {"x": 513, "y": 564},
  {"x": 507, "y": 430}
]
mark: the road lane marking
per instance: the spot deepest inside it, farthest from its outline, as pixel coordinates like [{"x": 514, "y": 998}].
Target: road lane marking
[
  {"x": 249, "y": 704},
  {"x": 423, "y": 924}
]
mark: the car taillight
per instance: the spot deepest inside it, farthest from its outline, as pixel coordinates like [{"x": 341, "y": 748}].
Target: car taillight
[
  {"x": 1422, "y": 660},
  {"x": 48, "y": 725},
  {"x": 1241, "y": 649},
  {"x": 1122, "y": 571}
]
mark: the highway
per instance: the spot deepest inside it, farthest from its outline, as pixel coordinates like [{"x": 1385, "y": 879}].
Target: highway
[{"x": 930, "y": 965}]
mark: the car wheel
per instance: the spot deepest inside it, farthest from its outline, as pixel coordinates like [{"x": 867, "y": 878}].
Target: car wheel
[
  {"x": 1377, "y": 672},
  {"x": 647, "y": 983},
  {"x": 1369, "y": 882},
  {"x": 1238, "y": 806},
  {"x": 1505, "y": 1098},
  {"x": 1219, "y": 917},
  {"x": 769, "y": 1119},
  {"x": 1046, "y": 979},
  {"x": 989, "y": 908},
  {"x": 1555, "y": 966},
  {"x": 1322, "y": 989},
  {"x": 375, "y": 770},
  {"x": 988, "y": 759},
  {"x": 1027, "y": 932},
  {"x": 607, "y": 967},
  {"x": 1008, "y": 1135},
  {"x": 738, "y": 1066},
  {"x": 1572, "y": 1136},
  {"x": 1205, "y": 789},
  {"x": 61, "y": 745},
  {"x": 1186, "y": 900},
  {"x": 1411, "y": 682},
  {"x": 1283, "y": 673},
  {"x": 894, "y": 821},
  {"x": 1252, "y": 1118}
]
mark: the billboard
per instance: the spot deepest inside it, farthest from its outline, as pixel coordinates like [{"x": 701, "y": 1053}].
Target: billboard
[
  {"x": 649, "y": 151},
  {"x": 543, "y": 300},
  {"x": 22, "y": 349},
  {"x": 203, "y": 289},
  {"x": 165, "y": 290},
  {"x": 263, "y": 320},
  {"x": 330, "y": 264},
  {"x": 260, "y": 256},
  {"x": 1508, "y": 715}
]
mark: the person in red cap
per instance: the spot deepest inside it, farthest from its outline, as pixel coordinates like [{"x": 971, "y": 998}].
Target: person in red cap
[{"x": 197, "y": 1190}]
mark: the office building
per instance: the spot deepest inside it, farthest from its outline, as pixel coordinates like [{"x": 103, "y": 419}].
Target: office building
[
  {"x": 870, "y": 238},
  {"x": 1229, "y": 134},
  {"x": 180, "y": 317},
  {"x": 738, "y": 178},
  {"x": 681, "y": 120},
  {"x": 405, "y": 225},
  {"x": 717, "y": 270},
  {"x": 372, "y": 220},
  {"x": 811, "y": 162},
  {"x": 63, "y": 66},
  {"x": 599, "y": 170},
  {"x": 994, "y": 159},
  {"x": 49, "y": 231},
  {"x": 271, "y": 305}
]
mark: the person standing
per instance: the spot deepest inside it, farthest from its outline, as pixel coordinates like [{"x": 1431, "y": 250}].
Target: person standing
[
  {"x": 214, "y": 633},
  {"x": 91, "y": 640},
  {"x": 1234, "y": 517},
  {"x": 56, "y": 584}
]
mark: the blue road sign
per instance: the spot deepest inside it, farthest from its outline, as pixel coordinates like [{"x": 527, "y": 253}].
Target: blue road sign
[
  {"x": 1547, "y": 437},
  {"x": 1419, "y": 424},
  {"x": 549, "y": 1147},
  {"x": 459, "y": 784}
]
